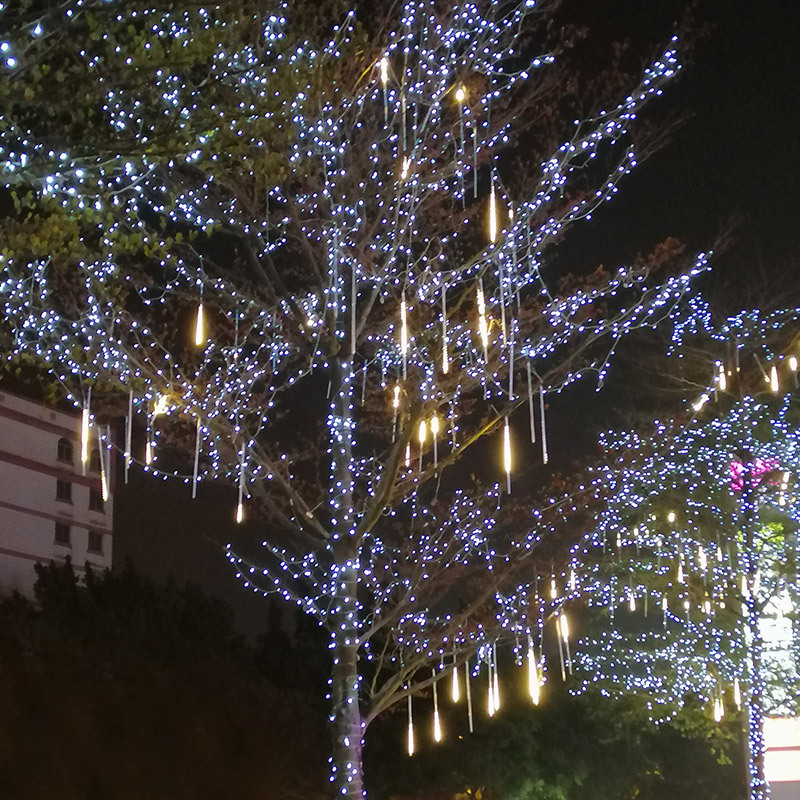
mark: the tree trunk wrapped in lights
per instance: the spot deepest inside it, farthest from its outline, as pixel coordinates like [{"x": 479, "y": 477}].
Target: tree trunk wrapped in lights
[{"x": 248, "y": 228}]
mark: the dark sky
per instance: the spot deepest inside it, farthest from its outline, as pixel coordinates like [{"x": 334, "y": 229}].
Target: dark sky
[{"x": 735, "y": 157}]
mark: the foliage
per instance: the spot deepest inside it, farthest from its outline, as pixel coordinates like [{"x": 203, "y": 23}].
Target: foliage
[
  {"x": 123, "y": 689},
  {"x": 567, "y": 748}
]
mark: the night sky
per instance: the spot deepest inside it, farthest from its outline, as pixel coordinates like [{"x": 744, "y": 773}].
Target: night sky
[{"x": 735, "y": 159}]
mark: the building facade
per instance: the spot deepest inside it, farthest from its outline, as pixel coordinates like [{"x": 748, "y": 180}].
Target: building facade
[{"x": 49, "y": 509}]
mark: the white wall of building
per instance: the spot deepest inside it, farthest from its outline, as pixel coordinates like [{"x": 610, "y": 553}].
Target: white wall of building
[
  {"x": 29, "y": 508},
  {"x": 782, "y": 759}
]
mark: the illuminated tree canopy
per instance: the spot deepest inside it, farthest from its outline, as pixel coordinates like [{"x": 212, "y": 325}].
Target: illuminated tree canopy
[
  {"x": 692, "y": 565},
  {"x": 312, "y": 244}
]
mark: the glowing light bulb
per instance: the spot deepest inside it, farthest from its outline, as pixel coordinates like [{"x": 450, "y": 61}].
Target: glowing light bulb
[
  {"x": 723, "y": 380},
  {"x": 632, "y": 602},
  {"x": 507, "y": 454},
  {"x": 793, "y": 363},
  {"x": 240, "y": 504},
  {"x": 410, "y": 738},
  {"x": 396, "y": 397},
  {"x": 455, "y": 686},
  {"x": 406, "y": 168},
  {"x": 564, "y": 627},
  {"x": 492, "y": 216},
  {"x": 200, "y": 327},
  {"x": 103, "y": 474},
  {"x": 423, "y": 432},
  {"x": 461, "y": 94},
  {"x": 773, "y": 379},
  {"x": 671, "y": 517},
  {"x": 437, "y": 724},
  {"x": 507, "y": 447},
  {"x": 534, "y": 687},
  {"x": 737, "y": 693},
  {"x": 85, "y": 423},
  {"x": 161, "y": 405},
  {"x": 384, "y": 67},
  {"x": 483, "y": 328}
]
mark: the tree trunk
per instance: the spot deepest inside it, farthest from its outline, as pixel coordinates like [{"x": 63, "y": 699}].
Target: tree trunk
[
  {"x": 347, "y": 725},
  {"x": 756, "y": 779},
  {"x": 755, "y": 712}
]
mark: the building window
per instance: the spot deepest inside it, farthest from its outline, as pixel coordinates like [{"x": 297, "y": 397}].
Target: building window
[
  {"x": 94, "y": 461},
  {"x": 65, "y": 451},
  {"x": 96, "y": 500},
  {"x": 95, "y": 542},
  {"x": 63, "y": 491},
  {"x": 62, "y": 534}
]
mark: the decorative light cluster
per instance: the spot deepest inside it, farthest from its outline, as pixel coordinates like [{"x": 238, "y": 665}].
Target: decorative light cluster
[
  {"x": 692, "y": 566},
  {"x": 271, "y": 227}
]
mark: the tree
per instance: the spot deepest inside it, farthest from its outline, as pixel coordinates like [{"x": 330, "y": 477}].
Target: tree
[
  {"x": 567, "y": 747},
  {"x": 304, "y": 190},
  {"x": 143, "y": 690},
  {"x": 694, "y": 553}
]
